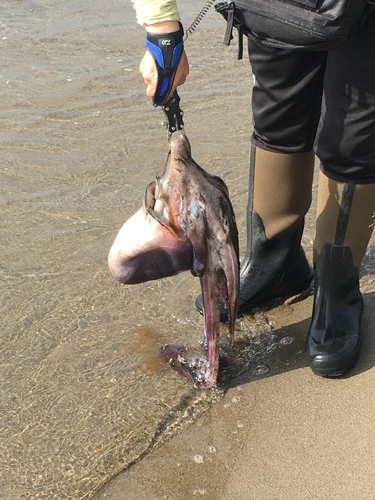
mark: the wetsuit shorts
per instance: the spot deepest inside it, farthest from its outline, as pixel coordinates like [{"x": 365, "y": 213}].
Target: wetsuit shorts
[{"x": 320, "y": 100}]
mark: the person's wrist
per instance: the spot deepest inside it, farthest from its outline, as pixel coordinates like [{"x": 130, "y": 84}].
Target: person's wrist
[
  {"x": 167, "y": 48},
  {"x": 163, "y": 27}
]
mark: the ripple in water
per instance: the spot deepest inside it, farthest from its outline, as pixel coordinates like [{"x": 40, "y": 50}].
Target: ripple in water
[
  {"x": 286, "y": 340},
  {"x": 261, "y": 370}
]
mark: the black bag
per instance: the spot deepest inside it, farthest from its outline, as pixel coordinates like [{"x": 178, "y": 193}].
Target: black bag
[{"x": 296, "y": 24}]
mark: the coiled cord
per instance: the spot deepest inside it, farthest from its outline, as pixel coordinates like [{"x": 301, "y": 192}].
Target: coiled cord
[{"x": 199, "y": 18}]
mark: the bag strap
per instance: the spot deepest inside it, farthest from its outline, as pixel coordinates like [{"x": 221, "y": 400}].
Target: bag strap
[{"x": 227, "y": 10}]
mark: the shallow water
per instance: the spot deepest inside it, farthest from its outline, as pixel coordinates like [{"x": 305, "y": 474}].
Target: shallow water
[{"x": 83, "y": 390}]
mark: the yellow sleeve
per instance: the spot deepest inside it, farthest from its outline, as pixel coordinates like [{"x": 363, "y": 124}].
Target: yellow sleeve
[{"x": 154, "y": 11}]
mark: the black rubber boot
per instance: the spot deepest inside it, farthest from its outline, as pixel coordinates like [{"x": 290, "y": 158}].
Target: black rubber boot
[
  {"x": 274, "y": 268},
  {"x": 334, "y": 339}
]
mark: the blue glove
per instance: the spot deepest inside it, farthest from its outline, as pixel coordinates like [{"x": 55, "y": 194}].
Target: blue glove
[{"x": 167, "y": 50}]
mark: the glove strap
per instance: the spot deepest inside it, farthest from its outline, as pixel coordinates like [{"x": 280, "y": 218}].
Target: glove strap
[{"x": 166, "y": 49}]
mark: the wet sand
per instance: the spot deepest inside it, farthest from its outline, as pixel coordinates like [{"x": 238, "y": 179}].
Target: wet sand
[
  {"x": 286, "y": 435},
  {"x": 83, "y": 392}
]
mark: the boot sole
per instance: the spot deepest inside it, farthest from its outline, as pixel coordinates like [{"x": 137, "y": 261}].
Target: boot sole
[
  {"x": 339, "y": 370},
  {"x": 295, "y": 295}
]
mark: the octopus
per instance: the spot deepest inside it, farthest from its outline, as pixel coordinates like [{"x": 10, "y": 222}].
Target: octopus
[{"x": 186, "y": 223}]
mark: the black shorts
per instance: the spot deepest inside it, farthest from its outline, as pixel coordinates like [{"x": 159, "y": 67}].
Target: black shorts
[{"x": 304, "y": 100}]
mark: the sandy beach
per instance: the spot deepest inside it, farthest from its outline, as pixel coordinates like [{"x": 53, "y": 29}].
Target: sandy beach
[
  {"x": 288, "y": 436},
  {"x": 88, "y": 410}
]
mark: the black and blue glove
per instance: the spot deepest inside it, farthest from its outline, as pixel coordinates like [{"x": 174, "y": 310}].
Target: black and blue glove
[{"x": 166, "y": 49}]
